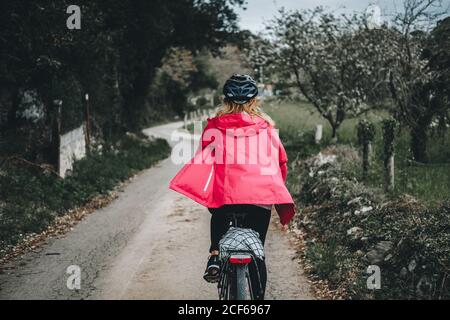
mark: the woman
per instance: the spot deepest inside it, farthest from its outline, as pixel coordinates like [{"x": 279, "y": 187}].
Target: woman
[{"x": 241, "y": 165}]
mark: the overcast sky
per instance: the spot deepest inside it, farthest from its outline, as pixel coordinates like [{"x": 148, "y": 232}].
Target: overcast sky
[{"x": 259, "y": 11}]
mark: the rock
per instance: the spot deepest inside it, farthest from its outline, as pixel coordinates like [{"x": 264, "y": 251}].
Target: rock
[
  {"x": 355, "y": 232},
  {"x": 363, "y": 211},
  {"x": 353, "y": 201},
  {"x": 412, "y": 265},
  {"x": 384, "y": 246},
  {"x": 403, "y": 272},
  {"x": 378, "y": 254},
  {"x": 424, "y": 286},
  {"x": 359, "y": 253},
  {"x": 321, "y": 159},
  {"x": 366, "y": 209},
  {"x": 374, "y": 257}
]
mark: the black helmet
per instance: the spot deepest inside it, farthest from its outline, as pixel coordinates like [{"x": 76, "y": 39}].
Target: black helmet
[{"x": 240, "y": 88}]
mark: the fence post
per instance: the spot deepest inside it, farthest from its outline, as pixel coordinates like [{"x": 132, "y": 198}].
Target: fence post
[
  {"x": 389, "y": 152},
  {"x": 56, "y": 134},
  {"x": 366, "y": 133},
  {"x": 319, "y": 133},
  {"x": 391, "y": 172},
  {"x": 88, "y": 125}
]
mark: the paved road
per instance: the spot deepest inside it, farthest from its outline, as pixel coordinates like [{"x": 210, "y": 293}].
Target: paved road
[{"x": 150, "y": 243}]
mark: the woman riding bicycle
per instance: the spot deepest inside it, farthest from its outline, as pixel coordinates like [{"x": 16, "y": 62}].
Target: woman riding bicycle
[{"x": 241, "y": 166}]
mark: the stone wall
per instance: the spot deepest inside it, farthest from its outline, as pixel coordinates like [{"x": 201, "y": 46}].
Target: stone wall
[{"x": 72, "y": 147}]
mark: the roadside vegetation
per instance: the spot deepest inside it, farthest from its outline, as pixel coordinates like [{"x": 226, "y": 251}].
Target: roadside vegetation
[
  {"x": 346, "y": 224},
  {"x": 31, "y": 198}
]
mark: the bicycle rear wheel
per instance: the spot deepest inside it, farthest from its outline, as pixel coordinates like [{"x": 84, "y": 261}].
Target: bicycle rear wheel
[
  {"x": 240, "y": 284},
  {"x": 258, "y": 278}
]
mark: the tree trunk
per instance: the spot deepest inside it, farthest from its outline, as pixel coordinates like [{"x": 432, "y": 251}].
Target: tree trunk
[
  {"x": 419, "y": 143},
  {"x": 133, "y": 108},
  {"x": 365, "y": 161},
  {"x": 389, "y": 174},
  {"x": 333, "y": 132},
  {"x": 334, "y": 128}
]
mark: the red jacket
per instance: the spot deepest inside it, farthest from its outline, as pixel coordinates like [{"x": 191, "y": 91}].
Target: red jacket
[{"x": 230, "y": 168}]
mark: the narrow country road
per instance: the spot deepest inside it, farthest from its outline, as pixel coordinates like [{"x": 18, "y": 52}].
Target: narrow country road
[{"x": 149, "y": 243}]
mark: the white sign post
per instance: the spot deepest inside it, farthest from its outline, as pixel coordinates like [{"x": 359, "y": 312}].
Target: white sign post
[{"x": 319, "y": 133}]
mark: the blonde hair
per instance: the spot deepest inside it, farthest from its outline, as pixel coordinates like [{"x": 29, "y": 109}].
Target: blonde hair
[{"x": 252, "y": 108}]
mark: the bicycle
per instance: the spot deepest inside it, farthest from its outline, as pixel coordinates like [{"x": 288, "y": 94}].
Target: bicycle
[{"x": 242, "y": 259}]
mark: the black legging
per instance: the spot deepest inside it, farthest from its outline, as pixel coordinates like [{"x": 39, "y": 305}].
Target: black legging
[{"x": 257, "y": 218}]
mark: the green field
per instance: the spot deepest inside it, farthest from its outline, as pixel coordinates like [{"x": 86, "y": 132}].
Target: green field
[{"x": 430, "y": 182}]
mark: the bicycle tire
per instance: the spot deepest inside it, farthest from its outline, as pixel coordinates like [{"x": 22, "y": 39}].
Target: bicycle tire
[
  {"x": 237, "y": 285},
  {"x": 242, "y": 283}
]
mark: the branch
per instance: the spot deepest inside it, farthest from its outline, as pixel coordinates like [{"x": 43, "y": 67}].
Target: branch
[
  {"x": 40, "y": 167},
  {"x": 305, "y": 92}
]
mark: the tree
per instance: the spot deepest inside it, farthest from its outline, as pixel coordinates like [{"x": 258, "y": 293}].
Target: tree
[
  {"x": 114, "y": 57},
  {"x": 438, "y": 54},
  {"x": 257, "y": 51},
  {"x": 148, "y": 33},
  {"x": 412, "y": 78},
  {"x": 230, "y": 60},
  {"x": 181, "y": 74},
  {"x": 335, "y": 61},
  {"x": 204, "y": 77}
]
